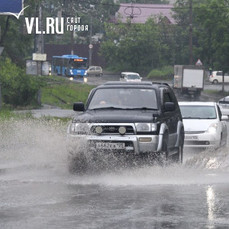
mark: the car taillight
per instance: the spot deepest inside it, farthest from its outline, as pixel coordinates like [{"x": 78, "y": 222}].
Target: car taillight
[{"x": 211, "y": 76}]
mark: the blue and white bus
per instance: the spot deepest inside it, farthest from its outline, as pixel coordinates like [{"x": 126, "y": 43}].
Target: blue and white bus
[{"x": 69, "y": 65}]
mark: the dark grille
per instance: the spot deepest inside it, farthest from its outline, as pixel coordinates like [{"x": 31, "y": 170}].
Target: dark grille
[{"x": 113, "y": 129}]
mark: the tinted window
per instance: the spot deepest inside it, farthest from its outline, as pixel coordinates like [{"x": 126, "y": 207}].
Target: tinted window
[
  {"x": 219, "y": 73},
  {"x": 167, "y": 97},
  {"x": 124, "y": 98}
]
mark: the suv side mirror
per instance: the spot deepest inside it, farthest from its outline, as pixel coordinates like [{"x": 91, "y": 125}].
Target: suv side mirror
[
  {"x": 78, "y": 106},
  {"x": 169, "y": 106}
]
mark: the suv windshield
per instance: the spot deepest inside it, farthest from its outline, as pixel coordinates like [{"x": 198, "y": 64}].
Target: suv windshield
[
  {"x": 124, "y": 98},
  {"x": 198, "y": 112}
]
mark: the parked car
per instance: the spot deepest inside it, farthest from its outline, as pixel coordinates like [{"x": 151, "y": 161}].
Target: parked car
[
  {"x": 94, "y": 70},
  {"x": 130, "y": 77},
  {"x": 217, "y": 77},
  {"x": 224, "y": 106},
  {"x": 203, "y": 124},
  {"x": 141, "y": 121}
]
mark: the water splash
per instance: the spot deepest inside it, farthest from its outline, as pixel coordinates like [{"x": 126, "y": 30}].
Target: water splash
[{"x": 36, "y": 151}]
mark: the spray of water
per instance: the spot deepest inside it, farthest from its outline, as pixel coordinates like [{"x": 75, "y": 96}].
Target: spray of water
[
  {"x": 32, "y": 142},
  {"x": 37, "y": 150}
]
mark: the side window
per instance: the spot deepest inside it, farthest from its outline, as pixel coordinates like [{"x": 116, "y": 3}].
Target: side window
[
  {"x": 167, "y": 97},
  {"x": 219, "y": 73}
]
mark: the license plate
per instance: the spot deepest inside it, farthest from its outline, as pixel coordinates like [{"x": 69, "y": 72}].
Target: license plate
[
  {"x": 110, "y": 145},
  {"x": 191, "y": 138}
]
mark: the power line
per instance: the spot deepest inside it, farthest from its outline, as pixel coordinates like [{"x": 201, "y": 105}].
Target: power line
[{"x": 150, "y": 6}]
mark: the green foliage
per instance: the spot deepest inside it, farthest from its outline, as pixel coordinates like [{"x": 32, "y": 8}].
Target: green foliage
[
  {"x": 210, "y": 27},
  {"x": 7, "y": 114},
  {"x": 139, "y": 47},
  {"x": 146, "y": 1},
  {"x": 18, "y": 89},
  {"x": 17, "y": 44},
  {"x": 65, "y": 94},
  {"x": 164, "y": 72}
]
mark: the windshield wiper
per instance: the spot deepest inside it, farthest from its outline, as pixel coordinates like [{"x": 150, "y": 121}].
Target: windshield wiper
[
  {"x": 111, "y": 107},
  {"x": 141, "y": 108},
  {"x": 123, "y": 108}
]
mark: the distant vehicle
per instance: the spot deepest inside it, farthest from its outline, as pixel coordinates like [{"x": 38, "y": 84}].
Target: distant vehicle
[
  {"x": 203, "y": 125},
  {"x": 217, "y": 77},
  {"x": 130, "y": 77},
  {"x": 69, "y": 65},
  {"x": 224, "y": 105},
  {"x": 139, "y": 121},
  {"x": 188, "y": 80},
  {"x": 94, "y": 70}
]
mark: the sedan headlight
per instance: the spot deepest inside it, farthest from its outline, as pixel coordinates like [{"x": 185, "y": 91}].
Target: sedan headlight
[
  {"x": 212, "y": 128},
  {"x": 78, "y": 128},
  {"x": 146, "y": 127}
]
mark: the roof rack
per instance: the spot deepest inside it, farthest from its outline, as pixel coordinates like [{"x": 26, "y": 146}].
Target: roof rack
[
  {"x": 161, "y": 83},
  {"x": 127, "y": 83}
]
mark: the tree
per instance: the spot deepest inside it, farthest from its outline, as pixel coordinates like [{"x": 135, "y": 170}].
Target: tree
[
  {"x": 146, "y": 1},
  {"x": 212, "y": 19},
  {"x": 210, "y": 31},
  {"x": 18, "y": 89},
  {"x": 138, "y": 47}
]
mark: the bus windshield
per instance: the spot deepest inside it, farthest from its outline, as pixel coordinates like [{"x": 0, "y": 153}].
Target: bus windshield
[{"x": 80, "y": 64}]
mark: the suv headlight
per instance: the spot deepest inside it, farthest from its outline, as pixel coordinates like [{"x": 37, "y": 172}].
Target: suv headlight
[
  {"x": 146, "y": 127},
  {"x": 78, "y": 128},
  {"x": 212, "y": 128}
]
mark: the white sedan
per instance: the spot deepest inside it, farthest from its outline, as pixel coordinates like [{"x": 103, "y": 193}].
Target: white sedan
[
  {"x": 130, "y": 77},
  {"x": 203, "y": 124}
]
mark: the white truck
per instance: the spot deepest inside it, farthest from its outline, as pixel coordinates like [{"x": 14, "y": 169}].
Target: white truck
[{"x": 188, "y": 80}]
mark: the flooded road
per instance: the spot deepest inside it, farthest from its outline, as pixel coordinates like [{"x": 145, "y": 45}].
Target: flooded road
[{"x": 37, "y": 190}]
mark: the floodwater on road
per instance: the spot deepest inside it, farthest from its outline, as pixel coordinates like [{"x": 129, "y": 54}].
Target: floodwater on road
[{"x": 37, "y": 191}]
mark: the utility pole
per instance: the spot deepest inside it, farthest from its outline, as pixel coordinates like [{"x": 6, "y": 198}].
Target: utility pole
[
  {"x": 72, "y": 43},
  {"x": 90, "y": 40},
  {"x": 223, "y": 81},
  {"x": 40, "y": 40},
  {"x": 190, "y": 33}
]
